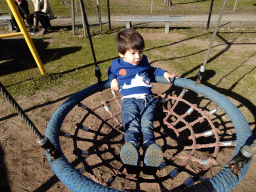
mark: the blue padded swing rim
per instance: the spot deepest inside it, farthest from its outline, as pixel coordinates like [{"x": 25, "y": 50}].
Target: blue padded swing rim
[{"x": 225, "y": 180}]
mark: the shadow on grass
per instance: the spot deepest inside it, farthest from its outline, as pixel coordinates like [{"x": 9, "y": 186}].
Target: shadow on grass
[
  {"x": 19, "y": 58},
  {"x": 209, "y": 60}
]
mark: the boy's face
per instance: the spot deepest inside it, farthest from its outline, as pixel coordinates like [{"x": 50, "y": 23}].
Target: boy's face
[{"x": 132, "y": 56}]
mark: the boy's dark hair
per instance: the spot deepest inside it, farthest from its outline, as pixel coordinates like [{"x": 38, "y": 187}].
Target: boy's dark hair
[{"x": 129, "y": 39}]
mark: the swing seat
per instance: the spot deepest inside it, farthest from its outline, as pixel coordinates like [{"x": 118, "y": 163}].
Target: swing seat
[{"x": 76, "y": 181}]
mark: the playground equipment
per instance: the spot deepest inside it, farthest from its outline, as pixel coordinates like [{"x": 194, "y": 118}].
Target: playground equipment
[
  {"x": 24, "y": 32},
  {"x": 225, "y": 180}
]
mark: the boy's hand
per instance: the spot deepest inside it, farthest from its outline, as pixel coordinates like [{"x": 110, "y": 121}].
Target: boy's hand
[
  {"x": 114, "y": 85},
  {"x": 167, "y": 76}
]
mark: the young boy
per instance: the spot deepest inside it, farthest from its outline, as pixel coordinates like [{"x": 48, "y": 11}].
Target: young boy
[{"x": 130, "y": 74}]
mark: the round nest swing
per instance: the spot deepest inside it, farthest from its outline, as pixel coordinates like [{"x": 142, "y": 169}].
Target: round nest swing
[{"x": 174, "y": 121}]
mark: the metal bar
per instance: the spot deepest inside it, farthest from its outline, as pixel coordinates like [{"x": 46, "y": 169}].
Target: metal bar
[
  {"x": 210, "y": 14},
  {"x": 83, "y": 16},
  {"x": 11, "y": 35},
  {"x": 99, "y": 15},
  {"x": 88, "y": 31}
]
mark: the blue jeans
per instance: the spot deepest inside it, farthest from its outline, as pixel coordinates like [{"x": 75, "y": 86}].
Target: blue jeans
[{"x": 137, "y": 117}]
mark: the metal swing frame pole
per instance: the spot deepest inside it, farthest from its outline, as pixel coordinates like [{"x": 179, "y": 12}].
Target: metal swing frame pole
[
  {"x": 109, "y": 21},
  {"x": 210, "y": 14},
  {"x": 73, "y": 16}
]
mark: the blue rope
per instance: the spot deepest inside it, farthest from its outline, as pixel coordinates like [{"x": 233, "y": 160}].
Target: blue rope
[{"x": 225, "y": 180}]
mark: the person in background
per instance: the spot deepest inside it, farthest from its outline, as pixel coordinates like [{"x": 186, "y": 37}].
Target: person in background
[
  {"x": 41, "y": 15},
  {"x": 22, "y": 6}
]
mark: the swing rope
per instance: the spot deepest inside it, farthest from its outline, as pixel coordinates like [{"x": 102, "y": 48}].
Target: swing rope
[
  {"x": 41, "y": 140},
  {"x": 20, "y": 112},
  {"x": 201, "y": 72}
]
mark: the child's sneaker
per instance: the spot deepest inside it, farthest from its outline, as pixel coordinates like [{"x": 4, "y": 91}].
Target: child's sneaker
[
  {"x": 153, "y": 156},
  {"x": 129, "y": 154}
]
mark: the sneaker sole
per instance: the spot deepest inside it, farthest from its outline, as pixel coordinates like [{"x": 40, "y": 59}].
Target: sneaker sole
[
  {"x": 153, "y": 156},
  {"x": 129, "y": 154}
]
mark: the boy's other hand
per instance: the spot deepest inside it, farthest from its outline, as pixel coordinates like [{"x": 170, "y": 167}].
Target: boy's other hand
[
  {"x": 167, "y": 76},
  {"x": 114, "y": 85}
]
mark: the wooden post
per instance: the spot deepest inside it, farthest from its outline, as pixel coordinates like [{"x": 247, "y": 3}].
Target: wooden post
[
  {"x": 109, "y": 22},
  {"x": 152, "y": 6},
  {"x": 73, "y": 16},
  {"x": 235, "y": 6},
  {"x": 83, "y": 16}
]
